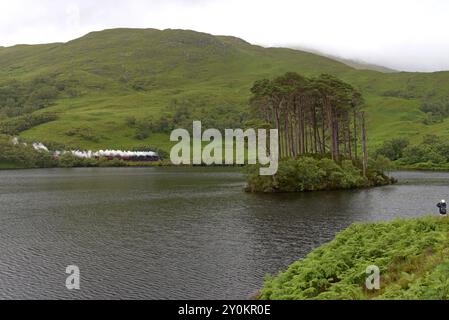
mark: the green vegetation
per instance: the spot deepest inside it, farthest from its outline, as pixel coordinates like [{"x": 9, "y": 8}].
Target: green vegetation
[
  {"x": 18, "y": 98},
  {"x": 393, "y": 149},
  {"x": 312, "y": 174},
  {"x": 100, "y": 81},
  {"x": 413, "y": 257},
  {"x": 22, "y": 156},
  {"x": 431, "y": 154},
  {"x": 322, "y": 135},
  {"x": 312, "y": 115},
  {"x": 14, "y": 126},
  {"x": 182, "y": 114},
  {"x": 436, "y": 111}
]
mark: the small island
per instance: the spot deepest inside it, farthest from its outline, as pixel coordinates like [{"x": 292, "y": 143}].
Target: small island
[
  {"x": 322, "y": 135},
  {"x": 311, "y": 174}
]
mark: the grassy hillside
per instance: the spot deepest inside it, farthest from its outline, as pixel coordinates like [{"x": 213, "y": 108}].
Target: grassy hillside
[
  {"x": 112, "y": 75},
  {"x": 412, "y": 256}
]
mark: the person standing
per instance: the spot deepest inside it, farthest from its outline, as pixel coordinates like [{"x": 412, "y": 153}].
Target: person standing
[{"x": 443, "y": 207}]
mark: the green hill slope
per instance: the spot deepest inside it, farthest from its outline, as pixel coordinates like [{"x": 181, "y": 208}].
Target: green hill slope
[{"x": 112, "y": 75}]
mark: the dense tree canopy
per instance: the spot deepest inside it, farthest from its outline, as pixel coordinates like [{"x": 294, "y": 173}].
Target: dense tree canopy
[
  {"x": 314, "y": 116},
  {"x": 431, "y": 153}
]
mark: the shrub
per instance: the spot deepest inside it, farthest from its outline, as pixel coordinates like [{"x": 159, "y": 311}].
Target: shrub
[
  {"x": 310, "y": 174},
  {"x": 84, "y": 133},
  {"x": 16, "y": 125},
  {"x": 436, "y": 109},
  {"x": 422, "y": 153},
  {"x": 18, "y": 98},
  {"x": 23, "y": 156},
  {"x": 393, "y": 149},
  {"x": 380, "y": 164}
]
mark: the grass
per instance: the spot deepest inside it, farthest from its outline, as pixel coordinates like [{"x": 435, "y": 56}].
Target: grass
[
  {"x": 411, "y": 254},
  {"x": 137, "y": 72}
]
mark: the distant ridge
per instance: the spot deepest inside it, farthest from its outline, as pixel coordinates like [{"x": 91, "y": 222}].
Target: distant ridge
[
  {"x": 356, "y": 64},
  {"x": 362, "y": 65}
]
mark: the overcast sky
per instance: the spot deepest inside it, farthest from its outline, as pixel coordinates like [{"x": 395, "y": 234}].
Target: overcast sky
[{"x": 401, "y": 34}]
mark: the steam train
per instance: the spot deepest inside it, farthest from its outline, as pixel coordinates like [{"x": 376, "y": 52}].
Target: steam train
[{"x": 131, "y": 156}]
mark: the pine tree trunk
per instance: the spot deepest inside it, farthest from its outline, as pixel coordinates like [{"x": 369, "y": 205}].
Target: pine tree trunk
[
  {"x": 364, "y": 142},
  {"x": 356, "y": 153}
]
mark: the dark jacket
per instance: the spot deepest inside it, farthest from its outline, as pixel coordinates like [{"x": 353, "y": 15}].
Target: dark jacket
[{"x": 443, "y": 207}]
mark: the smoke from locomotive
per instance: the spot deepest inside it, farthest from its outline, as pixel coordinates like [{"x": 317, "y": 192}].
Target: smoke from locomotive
[{"x": 133, "y": 156}]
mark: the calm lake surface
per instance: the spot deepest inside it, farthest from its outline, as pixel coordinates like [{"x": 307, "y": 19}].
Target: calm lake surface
[{"x": 174, "y": 233}]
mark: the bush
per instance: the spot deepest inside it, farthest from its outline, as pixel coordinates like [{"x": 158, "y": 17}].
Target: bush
[
  {"x": 23, "y": 156},
  {"x": 19, "y": 98},
  {"x": 422, "y": 153},
  {"x": 432, "y": 152},
  {"x": 352, "y": 176},
  {"x": 333, "y": 173},
  {"x": 16, "y": 125},
  {"x": 393, "y": 149},
  {"x": 84, "y": 133},
  {"x": 310, "y": 174},
  {"x": 67, "y": 160},
  {"x": 299, "y": 175},
  {"x": 436, "y": 110},
  {"x": 380, "y": 164}
]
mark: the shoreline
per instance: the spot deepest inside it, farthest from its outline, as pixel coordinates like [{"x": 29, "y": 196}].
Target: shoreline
[
  {"x": 169, "y": 165},
  {"x": 405, "y": 272}
]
